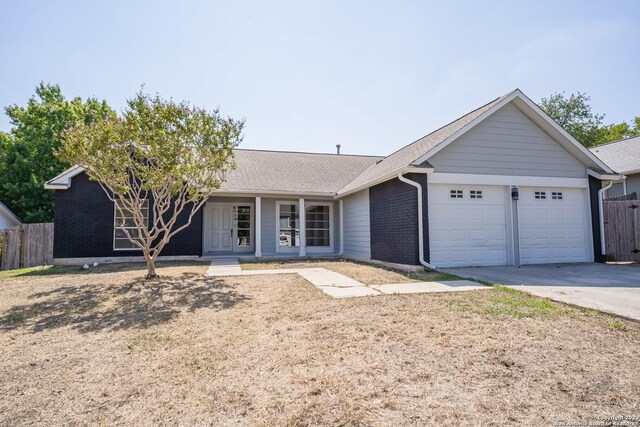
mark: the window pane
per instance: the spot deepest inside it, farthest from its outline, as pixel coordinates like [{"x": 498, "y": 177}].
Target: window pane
[
  {"x": 289, "y": 237},
  {"x": 317, "y": 223},
  {"x": 120, "y": 233},
  {"x": 124, "y": 221},
  {"x": 124, "y": 244},
  {"x": 244, "y": 213},
  {"x": 244, "y": 237},
  {"x": 289, "y": 225}
]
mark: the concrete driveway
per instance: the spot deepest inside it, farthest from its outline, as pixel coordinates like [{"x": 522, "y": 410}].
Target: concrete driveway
[{"x": 611, "y": 288}]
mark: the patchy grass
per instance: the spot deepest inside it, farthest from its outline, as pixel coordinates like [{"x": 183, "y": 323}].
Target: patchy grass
[
  {"x": 617, "y": 325},
  {"x": 55, "y": 270},
  {"x": 368, "y": 274},
  {"x": 512, "y": 302},
  {"x": 46, "y": 270},
  {"x": 106, "y": 348}
]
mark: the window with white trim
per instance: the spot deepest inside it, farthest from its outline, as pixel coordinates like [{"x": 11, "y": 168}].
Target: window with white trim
[
  {"x": 475, "y": 194},
  {"x": 318, "y": 225},
  {"x": 242, "y": 219},
  {"x": 124, "y": 223},
  {"x": 288, "y": 225},
  {"x": 456, "y": 194},
  {"x": 556, "y": 195},
  {"x": 540, "y": 195}
]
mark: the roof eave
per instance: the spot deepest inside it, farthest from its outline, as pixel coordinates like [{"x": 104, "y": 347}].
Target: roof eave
[
  {"x": 387, "y": 177},
  {"x": 254, "y": 192},
  {"x": 606, "y": 176},
  {"x": 63, "y": 180}
]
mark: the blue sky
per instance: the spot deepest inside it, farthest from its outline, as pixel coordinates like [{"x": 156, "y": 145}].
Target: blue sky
[{"x": 371, "y": 76}]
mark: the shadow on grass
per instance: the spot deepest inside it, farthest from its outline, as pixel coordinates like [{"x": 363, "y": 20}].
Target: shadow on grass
[
  {"x": 54, "y": 270},
  {"x": 136, "y": 304}
]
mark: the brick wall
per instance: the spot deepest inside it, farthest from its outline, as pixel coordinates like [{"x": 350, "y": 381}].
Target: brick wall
[
  {"x": 84, "y": 225},
  {"x": 393, "y": 209}
]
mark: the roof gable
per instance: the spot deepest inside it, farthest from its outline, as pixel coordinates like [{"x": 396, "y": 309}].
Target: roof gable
[
  {"x": 508, "y": 143},
  {"x": 420, "y": 151}
]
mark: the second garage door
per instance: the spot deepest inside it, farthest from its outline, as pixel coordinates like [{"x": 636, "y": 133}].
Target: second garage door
[
  {"x": 467, "y": 225},
  {"x": 552, "y": 225}
]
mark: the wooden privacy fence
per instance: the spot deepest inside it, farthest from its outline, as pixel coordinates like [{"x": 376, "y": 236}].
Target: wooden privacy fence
[
  {"x": 622, "y": 228},
  {"x": 27, "y": 245}
]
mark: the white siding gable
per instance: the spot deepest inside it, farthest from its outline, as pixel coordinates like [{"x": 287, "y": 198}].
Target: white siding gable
[
  {"x": 5, "y": 221},
  {"x": 357, "y": 231},
  {"x": 508, "y": 143}
]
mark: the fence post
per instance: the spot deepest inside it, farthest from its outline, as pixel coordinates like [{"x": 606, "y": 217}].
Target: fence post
[{"x": 21, "y": 245}]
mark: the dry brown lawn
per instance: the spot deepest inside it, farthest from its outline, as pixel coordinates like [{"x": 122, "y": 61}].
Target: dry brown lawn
[{"x": 105, "y": 348}]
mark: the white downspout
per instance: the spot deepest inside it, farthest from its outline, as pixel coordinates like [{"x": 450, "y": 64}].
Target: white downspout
[
  {"x": 420, "y": 227},
  {"x": 603, "y": 248}
]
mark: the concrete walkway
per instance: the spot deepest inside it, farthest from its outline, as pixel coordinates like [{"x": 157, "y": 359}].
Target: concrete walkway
[
  {"x": 611, "y": 288},
  {"x": 338, "y": 285}
]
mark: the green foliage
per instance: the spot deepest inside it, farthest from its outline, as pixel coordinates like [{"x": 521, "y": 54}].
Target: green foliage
[
  {"x": 574, "y": 114},
  {"x": 27, "y": 160},
  {"x": 616, "y": 132},
  {"x": 170, "y": 153}
]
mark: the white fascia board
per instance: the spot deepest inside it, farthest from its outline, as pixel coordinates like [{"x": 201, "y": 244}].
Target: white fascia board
[
  {"x": 267, "y": 193},
  {"x": 525, "y": 181},
  {"x": 50, "y": 186},
  {"x": 466, "y": 128},
  {"x": 606, "y": 176},
  {"x": 63, "y": 181},
  {"x": 387, "y": 177}
]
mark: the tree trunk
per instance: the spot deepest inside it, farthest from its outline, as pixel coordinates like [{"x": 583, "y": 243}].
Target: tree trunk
[{"x": 151, "y": 267}]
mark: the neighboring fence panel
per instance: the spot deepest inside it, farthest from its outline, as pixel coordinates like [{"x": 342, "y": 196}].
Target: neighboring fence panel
[
  {"x": 10, "y": 248},
  {"x": 26, "y": 245},
  {"x": 37, "y": 244},
  {"x": 630, "y": 196},
  {"x": 622, "y": 229}
]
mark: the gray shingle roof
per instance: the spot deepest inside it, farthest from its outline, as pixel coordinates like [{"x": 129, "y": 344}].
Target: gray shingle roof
[
  {"x": 264, "y": 171},
  {"x": 622, "y": 156},
  {"x": 407, "y": 155}
]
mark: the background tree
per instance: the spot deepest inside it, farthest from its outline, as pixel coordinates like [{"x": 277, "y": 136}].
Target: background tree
[
  {"x": 168, "y": 156},
  {"x": 574, "y": 114},
  {"x": 27, "y": 160},
  {"x": 616, "y": 132}
]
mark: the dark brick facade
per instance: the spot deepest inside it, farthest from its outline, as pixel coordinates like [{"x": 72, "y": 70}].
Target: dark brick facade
[
  {"x": 393, "y": 209},
  {"x": 84, "y": 225},
  {"x": 595, "y": 185}
]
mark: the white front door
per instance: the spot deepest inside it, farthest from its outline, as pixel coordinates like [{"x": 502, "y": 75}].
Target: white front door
[
  {"x": 467, "y": 225},
  {"x": 553, "y": 225},
  {"x": 218, "y": 228}
]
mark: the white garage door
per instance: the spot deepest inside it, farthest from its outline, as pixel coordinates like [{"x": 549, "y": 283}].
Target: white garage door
[
  {"x": 552, "y": 225},
  {"x": 467, "y": 225}
]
